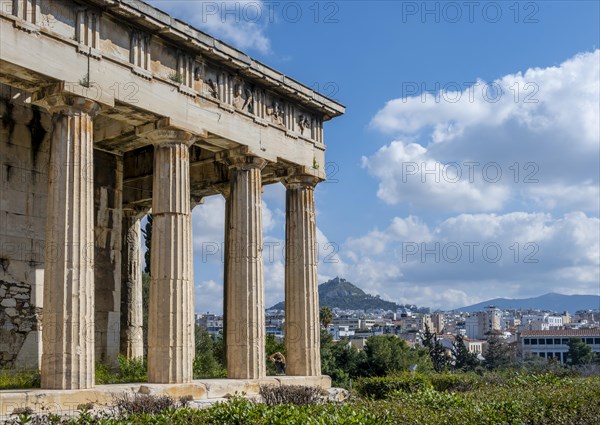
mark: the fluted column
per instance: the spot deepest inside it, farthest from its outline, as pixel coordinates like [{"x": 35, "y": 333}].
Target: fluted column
[
  {"x": 225, "y": 190},
  {"x": 302, "y": 330},
  {"x": 132, "y": 341},
  {"x": 171, "y": 306},
  {"x": 245, "y": 309},
  {"x": 68, "y": 319}
]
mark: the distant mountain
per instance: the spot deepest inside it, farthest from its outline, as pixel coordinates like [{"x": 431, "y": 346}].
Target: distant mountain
[
  {"x": 552, "y": 301},
  {"x": 342, "y": 294}
]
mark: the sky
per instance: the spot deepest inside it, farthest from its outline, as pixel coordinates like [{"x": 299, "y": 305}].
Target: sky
[{"x": 467, "y": 164}]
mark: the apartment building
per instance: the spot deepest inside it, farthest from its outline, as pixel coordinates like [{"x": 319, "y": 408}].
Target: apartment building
[{"x": 553, "y": 343}]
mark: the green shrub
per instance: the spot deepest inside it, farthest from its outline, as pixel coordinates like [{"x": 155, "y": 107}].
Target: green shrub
[
  {"x": 126, "y": 404},
  {"x": 454, "y": 381},
  {"x": 384, "y": 387},
  {"x": 519, "y": 399},
  {"x": 130, "y": 370},
  {"x": 17, "y": 379}
]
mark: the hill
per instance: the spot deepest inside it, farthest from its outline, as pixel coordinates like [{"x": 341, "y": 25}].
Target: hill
[
  {"x": 342, "y": 294},
  {"x": 552, "y": 302}
]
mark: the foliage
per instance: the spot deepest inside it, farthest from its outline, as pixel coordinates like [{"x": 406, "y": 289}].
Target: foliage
[
  {"x": 455, "y": 382},
  {"x": 326, "y": 316},
  {"x": 579, "y": 352},
  {"x": 436, "y": 350},
  {"x": 498, "y": 398},
  {"x": 499, "y": 354},
  {"x": 385, "y": 354},
  {"x": 207, "y": 361},
  {"x": 291, "y": 394},
  {"x": 340, "y": 360},
  {"x": 12, "y": 379},
  {"x": 130, "y": 370},
  {"x": 381, "y": 387},
  {"x": 126, "y": 404},
  {"x": 463, "y": 359},
  {"x": 176, "y": 77}
]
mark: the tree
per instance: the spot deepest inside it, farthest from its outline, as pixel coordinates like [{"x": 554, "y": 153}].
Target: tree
[
  {"x": 579, "y": 352},
  {"x": 340, "y": 360},
  {"x": 326, "y": 316},
  {"x": 147, "y": 232},
  {"x": 499, "y": 353},
  {"x": 206, "y": 361},
  {"x": 436, "y": 350},
  {"x": 463, "y": 358},
  {"x": 386, "y": 354}
]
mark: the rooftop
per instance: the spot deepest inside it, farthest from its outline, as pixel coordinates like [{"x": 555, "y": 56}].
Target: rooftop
[{"x": 563, "y": 332}]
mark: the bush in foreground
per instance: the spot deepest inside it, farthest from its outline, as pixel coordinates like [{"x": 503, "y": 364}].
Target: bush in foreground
[
  {"x": 516, "y": 399},
  {"x": 383, "y": 386},
  {"x": 291, "y": 394}
]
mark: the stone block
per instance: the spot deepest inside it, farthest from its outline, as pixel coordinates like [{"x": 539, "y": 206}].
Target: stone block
[
  {"x": 8, "y": 302},
  {"x": 24, "y": 225},
  {"x": 30, "y": 354},
  {"x": 16, "y": 202},
  {"x": 218, "y": 388},
  {"x": 322, "y": 381},
  {"x": 195, "y": 389}
]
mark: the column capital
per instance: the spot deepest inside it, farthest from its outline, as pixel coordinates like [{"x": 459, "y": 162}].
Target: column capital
[
  {"x": 67, "y": 104},
  {"x": 298, "y": 181},
  {"x": 168, "y": 136},
  {"x": 245, "y": 162},
  {"x": 223, "y": 188}
]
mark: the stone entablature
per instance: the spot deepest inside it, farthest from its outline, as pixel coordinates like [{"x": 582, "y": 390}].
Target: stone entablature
[{"x": 155, "y": 46}]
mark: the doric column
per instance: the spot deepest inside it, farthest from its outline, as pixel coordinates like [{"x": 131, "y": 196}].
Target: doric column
[
  {"x": 302, "y": 330},
  {"x": 132, "y": 341},
  {"x": 225, "y": 190},
  {"x": 171, "y": 306},
  {"x": 68, "y": 318},
  {"x": 245, "y": 309}
]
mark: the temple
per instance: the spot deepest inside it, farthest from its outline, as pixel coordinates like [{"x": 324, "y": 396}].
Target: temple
[{"x": 112, "y": 110}]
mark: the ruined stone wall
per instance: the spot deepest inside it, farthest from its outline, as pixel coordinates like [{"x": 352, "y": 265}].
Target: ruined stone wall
[
  {"x": 24, "y": 167},
  {"x": 24, "y": 143}
]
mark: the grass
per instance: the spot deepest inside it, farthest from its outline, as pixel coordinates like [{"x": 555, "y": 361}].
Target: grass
[
  {"x": 130, "y": 370},
  {"x": 18, "y": 379}
]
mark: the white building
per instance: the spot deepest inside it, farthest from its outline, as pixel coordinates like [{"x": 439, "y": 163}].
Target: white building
[
  {"x": 211, "y": 322},
  {"x": 339, "y": 332},
  {"x": 552, "y": 321},
  {"x": 553, "y": 343}
]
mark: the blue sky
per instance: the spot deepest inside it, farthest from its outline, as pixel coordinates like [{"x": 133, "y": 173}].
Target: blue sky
[{"x": 467, "y": 164}]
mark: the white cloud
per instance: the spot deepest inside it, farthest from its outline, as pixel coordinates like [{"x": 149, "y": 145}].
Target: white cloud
[
  {"x": 239, "y": 22},
  {"x": 473, "y": 257},
  {"x": 538, "y": 132},
  {"x": 408, "y": 173}
]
